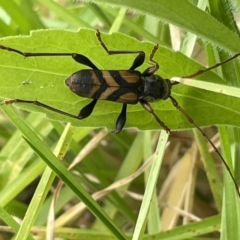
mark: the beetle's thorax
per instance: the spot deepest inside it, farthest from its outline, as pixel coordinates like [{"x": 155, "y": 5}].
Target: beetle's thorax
[{"x": 155, "y": 88}]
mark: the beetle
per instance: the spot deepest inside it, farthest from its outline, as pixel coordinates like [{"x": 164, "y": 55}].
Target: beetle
[{"x": 122, "y": 86}]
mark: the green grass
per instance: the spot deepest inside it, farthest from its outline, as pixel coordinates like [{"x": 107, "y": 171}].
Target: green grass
[{"x": 169, "y": 197}]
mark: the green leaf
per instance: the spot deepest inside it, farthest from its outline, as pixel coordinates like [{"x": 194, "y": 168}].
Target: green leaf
[
  {"x": 186, "y": 16},
  {"x": 45, "y": 77},
  {"x": 45, "y": 154}
]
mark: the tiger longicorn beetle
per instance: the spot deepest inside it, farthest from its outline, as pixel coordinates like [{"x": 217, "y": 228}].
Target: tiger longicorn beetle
[{"x": 123, "y": 86}]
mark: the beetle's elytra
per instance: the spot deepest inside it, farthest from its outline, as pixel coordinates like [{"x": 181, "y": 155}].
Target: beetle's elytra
[
  {"x": 107, "y": 85},
  {"x": 122, "y": 86}
]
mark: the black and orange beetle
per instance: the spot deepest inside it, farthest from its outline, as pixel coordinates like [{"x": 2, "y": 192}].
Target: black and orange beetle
[{"x": 123, "y": 86}]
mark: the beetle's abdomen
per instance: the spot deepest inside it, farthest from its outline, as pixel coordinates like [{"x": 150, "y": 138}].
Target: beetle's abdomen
[{"x": 119, "y": 86}]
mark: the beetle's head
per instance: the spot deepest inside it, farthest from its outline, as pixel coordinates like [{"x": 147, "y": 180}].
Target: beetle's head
[{"x": 155, "y": 88}]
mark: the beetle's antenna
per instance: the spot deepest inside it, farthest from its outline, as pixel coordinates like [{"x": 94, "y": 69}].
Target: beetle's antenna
[
  {"x": 209, "y": 68},
  {"x": 190, "y": 119}
]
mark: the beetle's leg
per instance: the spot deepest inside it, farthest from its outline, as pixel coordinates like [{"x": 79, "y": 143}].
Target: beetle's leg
[
  {"x": 138, "y": 61},
  {"x": 148, "y": 107},
  {"x": 151, "y": 70},
  {"x": 121, "y": 119},
  {"x": 77, "y": 57},
  {"x": 85, "y": 112},
  {"x": 83, "y": 60}
]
